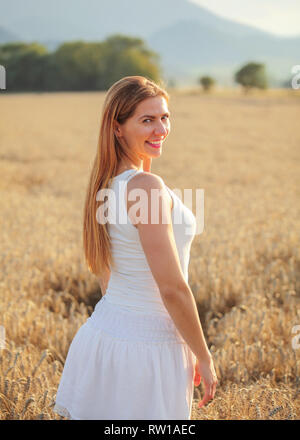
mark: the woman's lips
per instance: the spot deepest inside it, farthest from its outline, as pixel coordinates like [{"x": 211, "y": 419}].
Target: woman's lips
[{"x": 154, "y": 145}]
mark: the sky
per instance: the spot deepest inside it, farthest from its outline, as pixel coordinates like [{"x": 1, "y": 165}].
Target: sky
[{"x": 281, "y": 17}]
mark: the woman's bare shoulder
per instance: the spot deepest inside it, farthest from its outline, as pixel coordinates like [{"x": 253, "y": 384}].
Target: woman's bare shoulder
[{"x": 146, "y": 180}]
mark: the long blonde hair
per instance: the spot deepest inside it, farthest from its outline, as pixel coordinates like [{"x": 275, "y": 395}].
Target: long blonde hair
[{"x": 120, "y": 103}]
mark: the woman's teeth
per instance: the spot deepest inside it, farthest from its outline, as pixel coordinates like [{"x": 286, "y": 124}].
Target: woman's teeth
[{"x": 154, "y": 144}]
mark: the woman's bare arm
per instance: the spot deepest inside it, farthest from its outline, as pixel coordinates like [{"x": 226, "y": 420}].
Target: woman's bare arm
[
  {"x": 160, "y": 249},
  {"x": 159, "y": 245}
]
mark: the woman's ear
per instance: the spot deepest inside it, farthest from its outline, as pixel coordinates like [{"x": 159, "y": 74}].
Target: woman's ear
[{"x": 117, "y": 129}]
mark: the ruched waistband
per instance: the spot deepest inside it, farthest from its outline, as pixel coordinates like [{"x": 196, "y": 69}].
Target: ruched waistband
[
  {"x": 129, "y": 326},
  {"x": 137, "y": 304}
]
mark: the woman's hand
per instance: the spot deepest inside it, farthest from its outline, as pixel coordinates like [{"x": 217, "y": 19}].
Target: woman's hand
[
  {"x": 147, "y": 161},
  {"x": 204, "y": 369}
]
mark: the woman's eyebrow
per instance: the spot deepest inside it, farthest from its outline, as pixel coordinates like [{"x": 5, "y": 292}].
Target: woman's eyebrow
[{"x": 152, "y": 116}]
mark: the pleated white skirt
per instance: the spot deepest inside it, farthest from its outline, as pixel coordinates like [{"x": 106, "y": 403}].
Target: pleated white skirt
[{"x": 123, "y": 365}]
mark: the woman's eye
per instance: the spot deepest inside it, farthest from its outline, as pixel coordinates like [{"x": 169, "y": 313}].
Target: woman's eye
[{"x": 150, "y": 119}]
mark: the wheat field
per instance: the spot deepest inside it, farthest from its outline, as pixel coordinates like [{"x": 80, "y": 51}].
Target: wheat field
[{"x": 244, "y": 268}]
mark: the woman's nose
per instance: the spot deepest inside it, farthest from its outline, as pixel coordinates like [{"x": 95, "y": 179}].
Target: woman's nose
[{"x": 161, "y": 129}]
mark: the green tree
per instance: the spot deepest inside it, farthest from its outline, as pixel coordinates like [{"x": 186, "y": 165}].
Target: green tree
[
  {"x": 75, "y": 66},
  {"x": 25, "y": 65},
  {"x": 126, "y": 56},
  {"x": 252, "y": 75},
  {"x": 207, "y": 82}
]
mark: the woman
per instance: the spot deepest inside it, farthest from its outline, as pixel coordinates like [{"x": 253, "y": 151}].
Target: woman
[{"x": 142, "y": 350}]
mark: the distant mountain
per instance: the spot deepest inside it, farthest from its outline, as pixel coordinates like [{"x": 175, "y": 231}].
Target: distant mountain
[
  {"x": 89, "y": 19},
  {"x": 210, "y": 50},
  {"x": 189, "y": 38}
]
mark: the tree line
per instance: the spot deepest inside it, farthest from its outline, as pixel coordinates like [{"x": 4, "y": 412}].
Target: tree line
[
  {"x": 77, "y": 65},
  {"x": 84, "y": 66}
]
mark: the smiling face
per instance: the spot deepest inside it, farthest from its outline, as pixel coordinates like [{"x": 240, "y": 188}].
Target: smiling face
[{"x": 147, "y": 128}]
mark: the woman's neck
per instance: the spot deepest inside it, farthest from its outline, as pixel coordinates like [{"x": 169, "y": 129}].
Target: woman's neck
[{"x": 123, "y": 166}]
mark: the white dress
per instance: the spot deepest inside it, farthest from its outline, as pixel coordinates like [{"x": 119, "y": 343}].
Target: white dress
[{"x": 128, "y": 361}]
